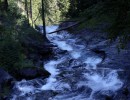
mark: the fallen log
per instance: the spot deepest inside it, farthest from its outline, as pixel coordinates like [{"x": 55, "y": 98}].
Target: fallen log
[{"x": 65, "y": 28}]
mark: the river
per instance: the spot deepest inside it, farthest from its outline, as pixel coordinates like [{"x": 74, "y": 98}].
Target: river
[{"x": 74, "y": 74}]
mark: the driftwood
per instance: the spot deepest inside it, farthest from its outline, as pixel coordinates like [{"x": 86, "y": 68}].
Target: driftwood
[{"x": 65, "y": 28}]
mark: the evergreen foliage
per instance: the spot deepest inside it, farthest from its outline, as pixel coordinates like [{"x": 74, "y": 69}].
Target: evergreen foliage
[
  {"x": 112, "y": 16},
  {"x": 55, "y": 11},
  {"x": 13, "y": 30}
]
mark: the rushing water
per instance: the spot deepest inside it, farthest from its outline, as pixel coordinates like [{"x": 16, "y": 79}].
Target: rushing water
[{"x": 74, "y": 74}]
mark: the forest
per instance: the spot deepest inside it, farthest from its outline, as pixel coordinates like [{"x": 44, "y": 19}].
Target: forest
[{"x": 37, "y": 34}]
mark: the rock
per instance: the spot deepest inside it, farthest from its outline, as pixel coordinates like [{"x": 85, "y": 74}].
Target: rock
[
  {"x": 126, "y": 92},
  {"x": 59, "y": 51},
  {"x": 115, "y": 59},
  {"x": 39, "y": 48},
  {"x": 5, "y": 77},
  {"x": 108, "y": 98},
  {"x": 44, "y": 95},
  {"x": 122, "y": 94},
  {"x": 100, "y": 53},
  {"x": 75, "y": 62},
  {"x": 38, "y": 28},
  {"x": 6, "y": 82},
  {"x": 31, "y": 73}
]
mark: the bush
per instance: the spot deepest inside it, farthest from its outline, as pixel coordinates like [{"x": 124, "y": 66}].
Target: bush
[
  {"x": 24, "y": 63},
  {"x": 14, "y": 31},
  {"x": 10, "y": 53}
]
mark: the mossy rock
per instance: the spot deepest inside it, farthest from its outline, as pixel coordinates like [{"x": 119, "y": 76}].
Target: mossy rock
[{"x": 30, "y": 73}]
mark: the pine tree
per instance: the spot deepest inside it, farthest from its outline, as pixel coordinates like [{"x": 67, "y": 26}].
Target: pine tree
[{"x": 55, "y": 11}]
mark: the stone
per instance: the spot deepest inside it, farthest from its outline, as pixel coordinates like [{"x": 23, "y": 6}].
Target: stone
[
  {"x": 32, "y": 73},
  {"x": 6, "y": 81},
  {"x": 5, "y": 77}
]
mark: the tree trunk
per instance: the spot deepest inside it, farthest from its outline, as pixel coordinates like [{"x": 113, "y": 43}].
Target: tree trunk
[
  {"x": 44, "y": 23},
  {"x": 5, "y": 5},
  {"x": 43, "y": 19},
  {"x": 31, "y": 12},
  {"x": 68, "y": 27},
  {"x": 26, "y": 9}
]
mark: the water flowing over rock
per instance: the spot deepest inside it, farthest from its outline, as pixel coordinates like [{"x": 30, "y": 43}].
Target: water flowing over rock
[{"x": 75, "y": 73}]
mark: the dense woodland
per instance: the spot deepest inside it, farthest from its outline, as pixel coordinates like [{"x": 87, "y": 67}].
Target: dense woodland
[{"x": 18, "y": 19}]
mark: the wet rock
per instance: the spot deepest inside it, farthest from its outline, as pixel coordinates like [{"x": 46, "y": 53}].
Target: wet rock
[
  {"x": 100, "y": 53},
  {"x": 31, "y": 73},
  {"x": 5, "y": 77},
  {"x": 75, "y": 62},
  {"x": 126, "y": 91},
  {"x": 120, "y": 95},
  {"x": 43, "y": 95},
  {"x": 108, "y": 98},
  {"x": 115, "y": 59},
  {"x": 47, "y": 95},
  {"x": 6, "y": 83},
  {"x": 59, "y": 51}
]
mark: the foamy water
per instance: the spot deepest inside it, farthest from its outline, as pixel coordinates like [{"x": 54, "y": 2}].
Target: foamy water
[{"x": 66, "y": 79}]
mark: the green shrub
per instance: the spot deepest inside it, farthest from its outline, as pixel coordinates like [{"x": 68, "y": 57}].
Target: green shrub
[
  {"x": 10, "y": 53},
  {"x": 24, "y": 63}
]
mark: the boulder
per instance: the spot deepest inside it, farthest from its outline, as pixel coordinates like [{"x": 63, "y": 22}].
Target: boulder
[
  {"x": 5, "y": 77},
  {"x": 59, "y": 51},
  {"x": 32, "y": 73},
  {"x": 33, "y": 46},
  {"x": 116, "y": 59},
  {"x": 6, "y": 80},
  {"x": 100, "y": 53}
]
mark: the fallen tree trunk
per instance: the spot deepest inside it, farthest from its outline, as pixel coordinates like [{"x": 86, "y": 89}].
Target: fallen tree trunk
[{"x": 65, "y": 28}]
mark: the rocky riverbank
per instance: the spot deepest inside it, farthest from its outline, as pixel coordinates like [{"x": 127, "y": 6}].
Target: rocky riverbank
[
  {"x": 96, "y": 42},
  {"x": 113, "y": 56},
  {"x": 36, "y": 51}
]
